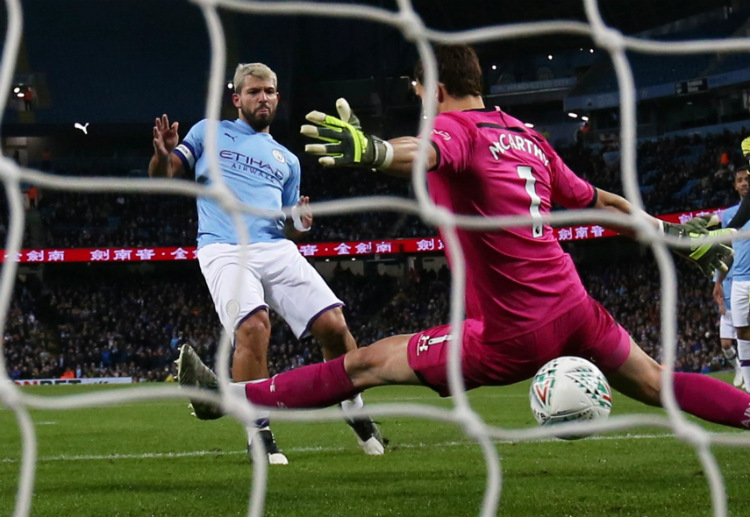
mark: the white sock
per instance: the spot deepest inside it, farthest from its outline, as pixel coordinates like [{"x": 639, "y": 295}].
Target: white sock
[
  {"x": 353, "y": 403},
  {"x": 262, "y": 417},
  {"x": 743, "y": 352},
  {"x": 729, "y": 353}
]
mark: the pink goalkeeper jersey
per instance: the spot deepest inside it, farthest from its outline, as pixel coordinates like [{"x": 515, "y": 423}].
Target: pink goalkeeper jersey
[{"x": 490, "y": 164}]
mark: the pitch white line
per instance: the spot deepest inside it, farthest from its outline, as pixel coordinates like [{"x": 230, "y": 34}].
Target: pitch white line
[{"x": 190, "y": 454}]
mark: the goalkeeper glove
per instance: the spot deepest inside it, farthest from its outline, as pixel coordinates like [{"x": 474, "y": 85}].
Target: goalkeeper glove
[
  {"x": 708, "y": 257},
  {"x": 346, "y": 143},
  {"x": 746, "y": 148}
]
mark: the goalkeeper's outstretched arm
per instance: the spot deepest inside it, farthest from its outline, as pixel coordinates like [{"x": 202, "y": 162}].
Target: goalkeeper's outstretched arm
[
  {"x": 608, "y": 201},
  {"x": 612, "y": 202},
  {"x": 708, "y": 257},
  {"x": 405, "y": 150}
]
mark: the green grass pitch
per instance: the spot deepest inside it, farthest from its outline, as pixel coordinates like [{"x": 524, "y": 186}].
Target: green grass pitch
[{"x": 154, "y": 459}]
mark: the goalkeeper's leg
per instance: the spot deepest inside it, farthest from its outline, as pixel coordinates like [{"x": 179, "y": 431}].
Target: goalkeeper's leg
[
  {"x": 325, "y": 384},
  {"x": 331, "y": 330},
  {"x": 639, "y": 377}
]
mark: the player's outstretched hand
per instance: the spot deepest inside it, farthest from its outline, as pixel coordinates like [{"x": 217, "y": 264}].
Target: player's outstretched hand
[
  {"x": 346, "y": 145},
  {"x": 708, "y": 257},
  {"x": 166, "y": 137}
]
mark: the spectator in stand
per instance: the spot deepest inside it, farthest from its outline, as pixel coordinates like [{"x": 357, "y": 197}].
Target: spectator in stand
[{"x": 28, "y": 99}]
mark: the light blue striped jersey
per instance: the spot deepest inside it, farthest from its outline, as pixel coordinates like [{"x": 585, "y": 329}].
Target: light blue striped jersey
[
  {"x": 741, "y": 267},
  {"x": 259, "y": 171}
]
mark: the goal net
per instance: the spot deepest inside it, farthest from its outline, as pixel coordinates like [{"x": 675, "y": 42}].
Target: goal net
[{"x": 461, "y": 413}]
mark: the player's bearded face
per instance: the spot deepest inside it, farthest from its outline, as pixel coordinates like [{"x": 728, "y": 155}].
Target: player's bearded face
[
  {"x": 741, "y": 183},
  {"x": 257, "y": 102}
]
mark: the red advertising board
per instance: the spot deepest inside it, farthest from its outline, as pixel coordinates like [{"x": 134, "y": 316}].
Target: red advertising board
[{"x": 311, "y": 249}]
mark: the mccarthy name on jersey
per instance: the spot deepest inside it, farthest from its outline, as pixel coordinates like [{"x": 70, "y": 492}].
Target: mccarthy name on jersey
[{"x": 506, "y": 141}]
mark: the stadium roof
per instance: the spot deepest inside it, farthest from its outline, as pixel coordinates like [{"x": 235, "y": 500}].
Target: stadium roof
[
  {"x": 155, "y": 61},
  {"x": 629, "y": 16}
]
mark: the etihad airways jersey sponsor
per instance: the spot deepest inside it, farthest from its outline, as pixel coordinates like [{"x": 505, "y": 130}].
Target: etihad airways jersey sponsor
[{"x": 259, "y": 172}]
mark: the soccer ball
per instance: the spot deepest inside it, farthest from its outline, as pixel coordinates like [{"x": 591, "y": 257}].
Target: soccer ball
[{"x": 567, "y": 389}]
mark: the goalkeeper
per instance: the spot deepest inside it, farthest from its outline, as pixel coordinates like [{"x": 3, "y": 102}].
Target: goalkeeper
[{"x": 525, "y": 303}]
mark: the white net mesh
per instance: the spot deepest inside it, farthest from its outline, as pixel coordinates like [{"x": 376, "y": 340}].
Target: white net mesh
[{"x": 409, "y": 23}]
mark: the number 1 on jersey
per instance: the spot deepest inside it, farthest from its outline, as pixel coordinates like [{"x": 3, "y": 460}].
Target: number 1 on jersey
[{"x": 537, "y": 227}]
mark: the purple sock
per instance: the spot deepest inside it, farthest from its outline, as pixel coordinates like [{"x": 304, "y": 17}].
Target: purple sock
[
  {"x": 712, "y": 400},
  {"x": 314, "y": 386}
]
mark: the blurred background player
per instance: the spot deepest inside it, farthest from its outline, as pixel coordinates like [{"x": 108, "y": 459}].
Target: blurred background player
[
  {"x": 740, "y": 293},
  {"x": 727, "y": 332},
  {"x": 742, "y": 215},
  {"x": 524, "y": 301},
  {"x": 723, "y": 285},
  {"x": 263, "y": 174}
]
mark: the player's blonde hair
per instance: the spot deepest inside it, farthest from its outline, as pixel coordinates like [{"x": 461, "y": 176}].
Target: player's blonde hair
[{"x": 258, "y": 70}]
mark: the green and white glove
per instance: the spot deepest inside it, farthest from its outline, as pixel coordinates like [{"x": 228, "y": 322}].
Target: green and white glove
[
  {"x": 745, "y": 146},
  {"x": 708, "y": 257},
  {"x": 346, "y": 145}
]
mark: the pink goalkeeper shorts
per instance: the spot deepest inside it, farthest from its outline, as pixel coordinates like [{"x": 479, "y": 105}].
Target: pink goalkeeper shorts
[{"x": 587, "y": 331}]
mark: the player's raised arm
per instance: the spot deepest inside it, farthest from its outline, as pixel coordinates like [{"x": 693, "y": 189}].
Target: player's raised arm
[
  {"x": 346, "y": 144},
  {"x": 163, "y": 163},
  {"x": 708, "y": 257}
]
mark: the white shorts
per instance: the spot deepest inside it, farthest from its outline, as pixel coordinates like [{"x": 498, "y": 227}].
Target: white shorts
[
  {"x": 726, "y": 327},
  {"x": 274, "y": 274},
  {"x": 740, "y": 303}
]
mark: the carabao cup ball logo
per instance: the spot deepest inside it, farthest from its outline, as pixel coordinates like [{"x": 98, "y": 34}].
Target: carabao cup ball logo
[{"x": 567, "y": 389}]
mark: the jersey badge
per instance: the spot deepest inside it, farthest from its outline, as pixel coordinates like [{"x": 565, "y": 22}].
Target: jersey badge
[{"x": 278, "y": 155}]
